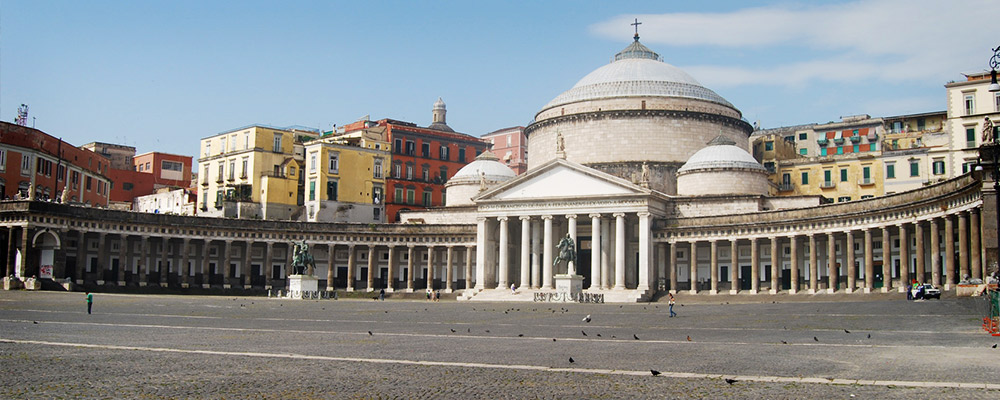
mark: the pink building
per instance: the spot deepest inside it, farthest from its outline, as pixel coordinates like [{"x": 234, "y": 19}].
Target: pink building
[{"x": 511, "y": 147}]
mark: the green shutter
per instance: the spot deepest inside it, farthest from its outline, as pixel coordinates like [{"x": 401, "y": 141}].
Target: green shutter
[
  {"x": 890, "y": 171},
  {"x": 805, "y": 178}
]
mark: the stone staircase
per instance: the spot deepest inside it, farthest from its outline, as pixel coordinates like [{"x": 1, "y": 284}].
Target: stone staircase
[{"x": 528, "y": 295}]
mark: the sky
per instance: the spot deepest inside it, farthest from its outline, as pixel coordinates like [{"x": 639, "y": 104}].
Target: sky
[{"x": 160, "y": 75}]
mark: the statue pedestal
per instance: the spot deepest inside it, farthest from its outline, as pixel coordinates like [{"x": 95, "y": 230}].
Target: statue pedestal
[
  {"x": 569, "y": 285},
  {"x": 302, "y": 286}
]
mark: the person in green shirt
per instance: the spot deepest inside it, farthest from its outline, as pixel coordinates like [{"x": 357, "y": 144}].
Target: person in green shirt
[{"x": 90, "y": 302}]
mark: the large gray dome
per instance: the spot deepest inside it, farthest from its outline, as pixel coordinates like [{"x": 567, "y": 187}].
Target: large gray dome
[
  {"x": 721, "y": 152},
  {"x": 485, "y": 164}
]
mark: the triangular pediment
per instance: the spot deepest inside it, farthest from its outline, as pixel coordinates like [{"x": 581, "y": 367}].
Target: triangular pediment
[{"x": 561, "y": 178}]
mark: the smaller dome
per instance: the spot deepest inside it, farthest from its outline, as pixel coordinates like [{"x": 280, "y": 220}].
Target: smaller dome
[
  {"x": 721, "y": 152},
  {"x": 439, "y": 104},
  {"x": 486, "y": 163}
]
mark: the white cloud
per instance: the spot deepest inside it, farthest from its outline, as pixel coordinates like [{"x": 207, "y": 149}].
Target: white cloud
[{"x": 894, "y": 40}]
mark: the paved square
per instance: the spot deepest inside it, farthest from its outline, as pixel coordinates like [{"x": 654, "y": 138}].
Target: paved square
[{"x": 237, "y": 347}]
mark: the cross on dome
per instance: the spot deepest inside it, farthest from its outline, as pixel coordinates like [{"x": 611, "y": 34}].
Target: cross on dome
[{"x": 636, "y": 25}]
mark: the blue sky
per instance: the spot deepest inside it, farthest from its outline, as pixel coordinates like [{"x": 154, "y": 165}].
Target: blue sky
[{"x": 160, "y": 75}]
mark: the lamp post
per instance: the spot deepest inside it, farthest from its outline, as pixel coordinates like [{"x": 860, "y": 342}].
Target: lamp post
[{"x": 990, "y": 134}]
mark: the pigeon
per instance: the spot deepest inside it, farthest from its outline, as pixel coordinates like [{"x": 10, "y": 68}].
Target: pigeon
[
  {"x": 468, "y": 330},
  {"x": 452, "y": 331},
  {"x": 869, "y": 336},
  {"x": 587, "y": 319},
  {"x": 520, "y": 335},
  {"x": 994, "y": 345},
  {"x": 598, "y": 335},
  {"x": 846, "y": 331},
  {"x": 613, "y": 337},
  {"x": 635, "y": 336},
  {"x": 35, "y": 322},
  {"x": 654, "y": 372},
  {"x": 731, "y": 381},
  {"x": 553, "y": 339},
  {"x": 571, "y": 360},
  {"x": 584, "y": 333},
  {"x": 487, "y": 331},
  {"x": 816, "y": 339},
  {"x": 369, "y": 333},
  {"x": 689, "y": 338},
  {"x": 784, "y": 342}
]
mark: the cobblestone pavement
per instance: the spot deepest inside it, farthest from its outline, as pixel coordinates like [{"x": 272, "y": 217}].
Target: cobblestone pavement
[{"x": 224, "y": 347}]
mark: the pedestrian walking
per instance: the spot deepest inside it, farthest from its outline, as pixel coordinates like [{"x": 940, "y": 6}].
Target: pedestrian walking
[
  {"x": 90, "y": 302},
  {"x": 381, "y": 294},
  {"x": 513, "y": 289},
  {"x": 671, "y": 304}
]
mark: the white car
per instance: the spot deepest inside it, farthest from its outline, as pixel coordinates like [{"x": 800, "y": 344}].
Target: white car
[{"x": 926, "y": 291}]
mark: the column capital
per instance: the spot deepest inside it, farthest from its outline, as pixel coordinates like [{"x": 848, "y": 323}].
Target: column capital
[
  {"x": 547, "y": 217},
  {"x": 595, "y": 215},
  {"x": 524, "y": 218},
  {"x": 481, "y": 219},
  {"x": 618, "y": 214},
  {"x": 570, "y": 216},
  {"x": 644, "y": 214},
  {"x": 351, "y": 246},
  {"x": 502, "y": 219}
]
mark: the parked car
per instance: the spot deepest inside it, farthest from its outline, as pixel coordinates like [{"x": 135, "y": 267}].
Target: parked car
[{"x": 926, "y": 291}]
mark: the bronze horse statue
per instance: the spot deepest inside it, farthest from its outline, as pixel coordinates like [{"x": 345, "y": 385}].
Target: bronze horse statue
[
  {"x": 302, "y": 261},
  {"x": 567, "y": 251}
]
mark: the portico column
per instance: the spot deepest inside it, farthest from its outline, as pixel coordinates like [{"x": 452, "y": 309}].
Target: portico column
[
  {"x": 536, "y": 254},
  {"x": 22, "y": 266},
  {"x": 448, "y": 274},
  {"x": 480, "y": 256},
  {"x": 813, "y": 267},
  {"x": 410, "y": 256},
  {"x": 164, "y": 268},
  {"x": 919, "y": 236},
  {"x": 12, "y": 252},
  {"x": 184, "y": 270},
  {"x": 468, "y": 267},
  {"x": 595, "y": 251},
  {"x": 525, "y": 281},
  {"x": 754, "y": 266},
  {"x": 963, "y": 245},
  {"x": 852, "y": 269},
  {"x": 122, "y": 261},
  {"x": 503, "y": 264},
  {"x": 645, "y": 243},
  {"x": 571, "y": 223},
  {"x": 430, "y": 267},
  {"x": 372, "y": 264},
  {"x": 246, "y": 265},
  {"x": 734, "y": 267},
  {"x": 975, "y": 249},
  {"x": 904, "y": 258},
  {"x": 672, "y": 248},
  {"x": 793, "y": 244},
  {"x": 869, "y": 262},
  {"x": 886, "y": 261},
  {"x": 227, "y": 259},
  {"x": 714, "y": 265},
  {"x": 102, "y": 257},
  {"x": 390, "y": 281},
  {"x": 142, "y": 262},
  {"x": 606, "y": 256},
  {"x": 775, "y": 265},
  {"x": 619, "y": 251},
  {"x": 831, "y": 263},
  {"x": 949, "y": 252},
  {"x": 693, "y": 267},
  {"x": 331, "y": 251},
  {"x": 266, "y": 269},
  {"x": 351, "y": 261},
  {"x": 546, "y": 252},
  {"x": 81, "y": 255},
  {"x": 935, "y": 253}
]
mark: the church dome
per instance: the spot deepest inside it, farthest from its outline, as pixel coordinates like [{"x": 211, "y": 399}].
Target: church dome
[
  {"x": 721, "y": 152},
  {"x": 468, "y": 182},
  {"x": 721, "y": 168}
]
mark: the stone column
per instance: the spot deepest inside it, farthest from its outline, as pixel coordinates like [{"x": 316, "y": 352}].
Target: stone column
[
  {"x": 918, "y": 234},
  {"x": 645, "y": 264},
  {"x": 775, "y": 265},
  {"x": 734, "y": 269},
  {"x": 525, "y": 281},
  {"x": 102, "y": 257},
  {"x": 22, "y": 266},
  {"x": 886, "y": 261},
  {"x": 468, "y": 267},
  {"x": 852, "y": 269},
  {"x": 430, "y": 267},
  {"x": 12, "y": 251},
  {"x": 331, "y": 265},
  {"x": 372, "y": 265},
  {"x": 606, "y": 256},
  {"x": 81, "y": 255},
  {"x": 142, "y": 261},
  {"x": 480, "y": 257},
  {"x": 672, "y": 248},
  {"x": 448, "y": 274},
  {"x": 831, "y": 263},
  {"x": 536, "y": 254},
  {"x": 390, "y": 282},
  {"x": 226, "y": 260},
  {"x": 935, "y": 253},
  {"x": 504, "y": 264},
  {"x": 246, "y": 266},
  {"x": 754, "y": 266},
  {"x": 571, "y": 223},
  {"x": 595, "y": 251},
  {"x": 793, "y": 244},
  {"x": 547, "y": 252},
  {"x": 268, "y": 267},
  {"x": 661, "y": 264},
  {"x": 693, "y": 267},
  {"x": 122, "y": 261},
  {"x": 714, "y": 265},
  {"x": 410, "y": 255},
  {"x": 164, "y": 265},
  {"x": 351, "y": 265},
  {"x": 975, "y": 247},
  {"x": 813, "y": 267},
  {"x": 963, "y": 245},
  {"x": 869, "y": 262},
  {"x": 619, "y": 251},
  {"x": 949, "y": 252},
  {"x": 904, "y": 258}
]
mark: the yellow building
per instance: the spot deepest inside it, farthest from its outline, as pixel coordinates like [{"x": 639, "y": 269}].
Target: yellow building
[
  {"x": 345, "y": 177},
  {"x": 836, "y": 178},
  {"x": 253, "y": 172}
]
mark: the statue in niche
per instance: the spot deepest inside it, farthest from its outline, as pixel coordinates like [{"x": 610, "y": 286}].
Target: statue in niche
[
  {"x": 988, "y": 130},
  {"x": 560, "y": 143}
]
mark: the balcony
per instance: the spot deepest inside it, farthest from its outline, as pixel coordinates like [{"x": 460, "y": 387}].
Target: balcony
[
  {"x": 855, "y": 139},
  {"x": 866, "y": 182},
  {"x": 828, "y": 185},
  {"x": 204, "y": 182},
  {"x": 838, "y": 140},
  {"x": 822, "y": 141},
  {"x": 872, "y": 137},
  {"x": 218, "y": 180},
  {"x": 785, "y": 187}
]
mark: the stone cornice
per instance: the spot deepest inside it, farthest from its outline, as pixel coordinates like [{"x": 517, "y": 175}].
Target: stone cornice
[{"x": 619, "y": 114}]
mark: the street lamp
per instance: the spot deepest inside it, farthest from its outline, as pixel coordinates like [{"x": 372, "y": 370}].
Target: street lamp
[{"x": 994, "y": 63}]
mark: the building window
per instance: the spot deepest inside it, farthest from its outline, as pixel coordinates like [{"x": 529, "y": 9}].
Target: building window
[
  {"x": 938, "y": 166},
  {"x": 246, "y": 163},
  {"x": 334, "y": 163},
  {"x": 208, "y": 148},
  {"x": 914, "y": 168},
  {"x": 427, "y": 198},
  {"x": 425, "y": 173},
  {"x": 769, "y": 166},
  {"x": 461, "y": 155},
  {"x": 970, "y": 136},
  {"x": 331, "y": 190},
  {"x": 444, "y": 174},
  {"x": 444, "y": 195},
  {"x": 87, "y": 183},
  {"x": 377, "y": 168},
  {"x": 312, "y": 162},
  {"x": 222, "y": 144},
  {"x": 409, "y": 196},
  {"x": 425, "y": 150},
  {"x": 890, "y": 171},
  {"x": 970, "y": 104},
  {"x": 397, "y": 146},
  {"x": 822, "y": 151},
  {"x": 277, "y": 143},
  {"x": 444, "y": 153},
  {"x": 842, "y": 199},
  {"x": 411, "y": 148},
  {"x": 397, "y": 170},
  {"x": 409, "y": 171},
  {"x": 377, "y": 195},
  {"x": 222, "y": 172},
  {"x": 803, "y": 152},
  {"x": 25, "y": 164},
  {"x": 868, "y": 196},
  {"x": 996, "y": 102},
  {"x": 171, "y": 166},
  {"x": 803, "y": 136},
  {"x": 843, "y": 174},
  {"x": 399, "y": 195},
  {"x": 232, "y": 169},
  {"x": 312, "y": 190},
  {"x": 866, "y": 174},
  {"x": 769, "y": 146},
  {"x": 805, "y": 178}
]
